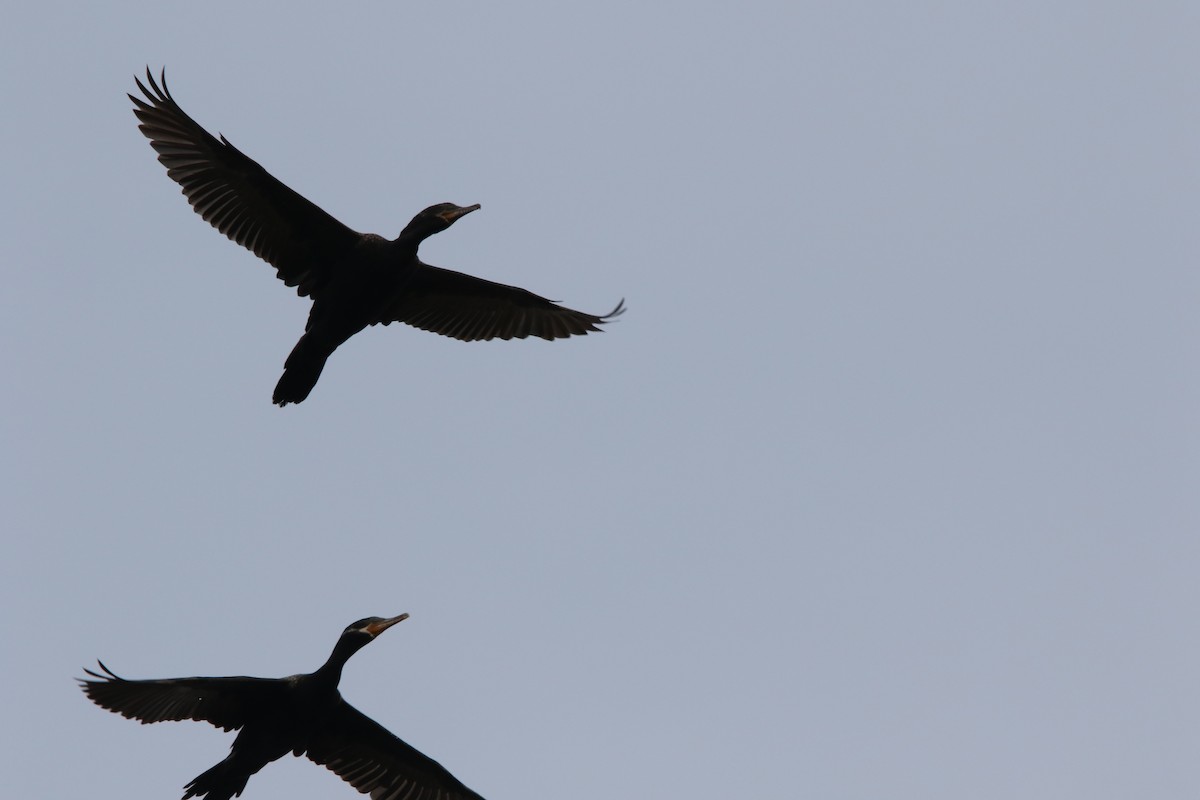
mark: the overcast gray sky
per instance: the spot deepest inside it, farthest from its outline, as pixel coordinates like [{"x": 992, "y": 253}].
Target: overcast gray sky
[{"x": 884, "y": 487}]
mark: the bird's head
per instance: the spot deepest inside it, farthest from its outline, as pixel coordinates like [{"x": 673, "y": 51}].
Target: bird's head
[
  {"x": 434, "y": 219},
  {"x": 365, "y": 630}
]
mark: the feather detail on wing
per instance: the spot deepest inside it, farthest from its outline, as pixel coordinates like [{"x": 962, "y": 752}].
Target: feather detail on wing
[
  {"x": 368, "y": 757},
  {"x": 240, "y": 198},
  {"x": 223, "y": 702},
  {"x": 473, "y": 309}
]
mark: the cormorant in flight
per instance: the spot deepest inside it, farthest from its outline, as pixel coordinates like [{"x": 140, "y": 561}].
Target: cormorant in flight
[
  {"x": 355, "y": 279},
  {"x": 303, "y": 715}
]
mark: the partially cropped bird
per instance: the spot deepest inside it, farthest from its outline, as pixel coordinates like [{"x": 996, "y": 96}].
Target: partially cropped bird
[
  {"x": 354, "y": 279},
  {"x": 302, "y": 715}
]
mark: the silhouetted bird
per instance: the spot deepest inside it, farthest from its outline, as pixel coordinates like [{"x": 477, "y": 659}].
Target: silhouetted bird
[
  {"x": 355, "y": 279},
  {"x": 303, "y": 715}
]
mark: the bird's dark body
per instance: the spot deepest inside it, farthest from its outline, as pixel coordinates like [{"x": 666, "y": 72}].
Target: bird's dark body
[
  {"x": 354, "y": 279},
  {"x": 301, "y": 714},
  {"x": 355, "y": 294},
  {"x": 274, "y": 717},
  {"x": 286, "y": 714}
]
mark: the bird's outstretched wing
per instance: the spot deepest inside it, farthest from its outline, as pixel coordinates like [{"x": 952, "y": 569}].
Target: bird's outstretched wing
[
  {"x": 240, "y": 198},
  {"x": 224, "y": 702},
  {"x": 473, "y": 309},
  {"x": 368, "y": 757}
]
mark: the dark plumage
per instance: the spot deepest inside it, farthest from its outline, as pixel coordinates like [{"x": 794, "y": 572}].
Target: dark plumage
[
  {"x": 355, "y": 279},
  {"x": 303, "y": 715}
]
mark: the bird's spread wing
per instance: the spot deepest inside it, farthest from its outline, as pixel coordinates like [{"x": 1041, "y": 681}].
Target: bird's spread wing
[
  {"x": 473, "y": 309},
  {"x": 240, "y": 198},
  {"x": 224, "y": 702},
  {"x": 368, "y": 757}
]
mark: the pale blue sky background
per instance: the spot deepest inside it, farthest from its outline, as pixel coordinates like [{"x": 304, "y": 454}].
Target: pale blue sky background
[{"x": 883, "y": 488}]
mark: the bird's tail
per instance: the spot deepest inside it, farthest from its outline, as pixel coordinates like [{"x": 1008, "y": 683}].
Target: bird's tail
[
  {"x": 222, "y": 782},
  {"x": 300, "y": 371}
]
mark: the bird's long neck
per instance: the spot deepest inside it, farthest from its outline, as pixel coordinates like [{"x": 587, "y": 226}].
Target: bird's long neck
[
  {"x": 331, "y": 671},
  {"x": 404, "y": 250},
  {"x": 415, "y": 232},
  {"x": 409, "y": 240}
]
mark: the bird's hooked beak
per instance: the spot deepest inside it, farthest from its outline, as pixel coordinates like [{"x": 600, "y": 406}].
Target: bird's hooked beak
[
  {"x": 454, "y": 213},
  {"x": 376, "y": 628}
]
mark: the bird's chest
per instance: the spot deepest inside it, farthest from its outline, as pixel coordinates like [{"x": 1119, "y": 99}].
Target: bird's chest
[
  {"x": 362, "y": 289},
  {"x": 293, "y": 720}
]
